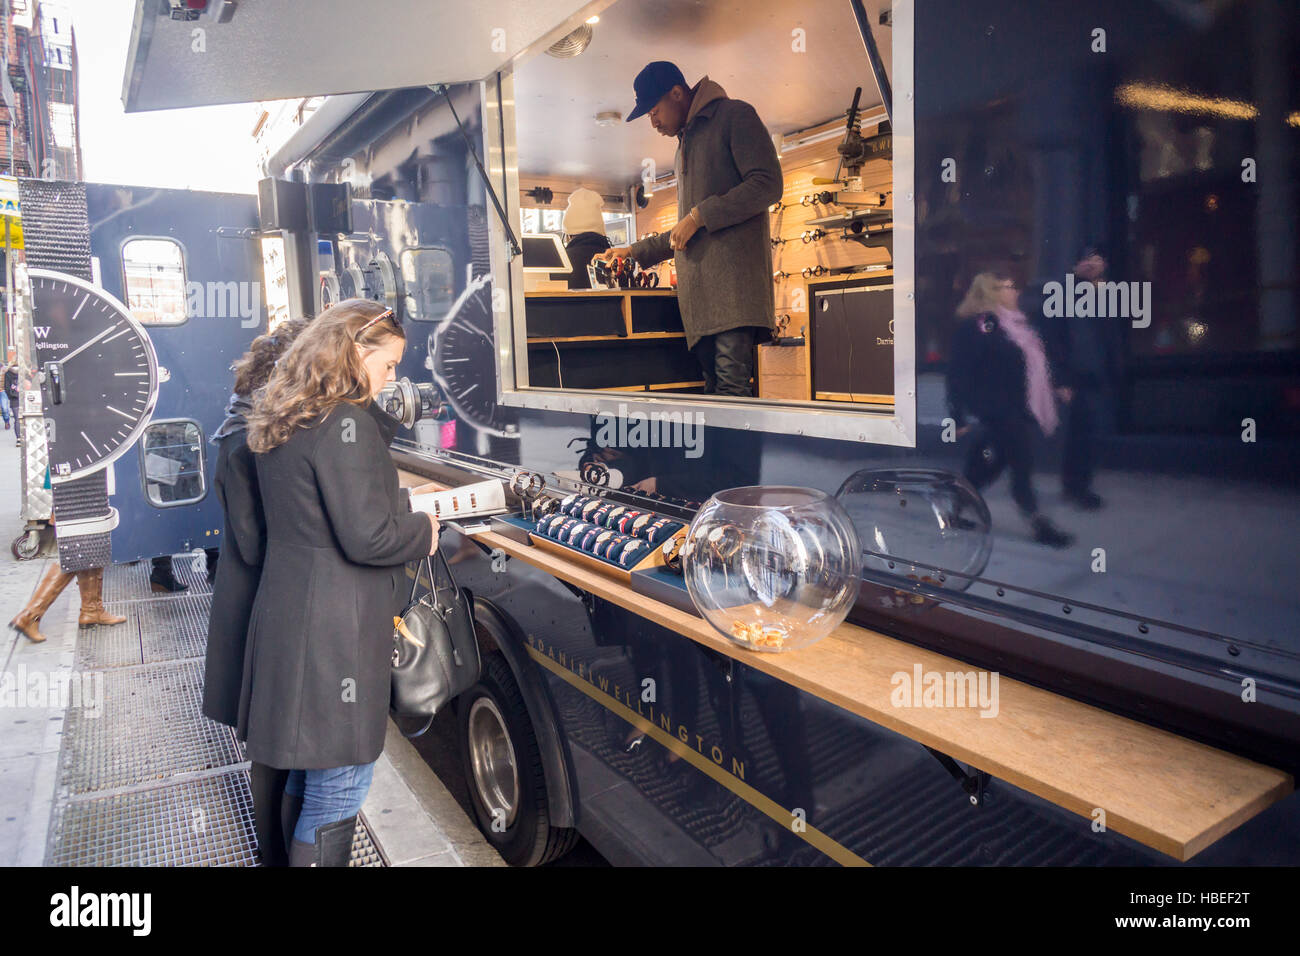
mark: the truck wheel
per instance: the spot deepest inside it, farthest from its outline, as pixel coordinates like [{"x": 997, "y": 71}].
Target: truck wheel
[
  {"x": 26, "y": 545},
  {"x": 503, "y": 768}
]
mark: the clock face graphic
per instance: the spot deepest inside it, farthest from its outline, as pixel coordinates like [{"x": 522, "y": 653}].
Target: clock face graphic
[
  {"x": 464, "y": 361},
  {"x": 99, "y": 375}
]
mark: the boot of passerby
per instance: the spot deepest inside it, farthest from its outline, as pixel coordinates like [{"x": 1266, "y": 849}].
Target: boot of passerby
[
  {"x": 28, "y": 620},
  {"x": 91, "y": 583},
  {"x": 162, "y": 579},
  {"x": 1045, "y": 532}
]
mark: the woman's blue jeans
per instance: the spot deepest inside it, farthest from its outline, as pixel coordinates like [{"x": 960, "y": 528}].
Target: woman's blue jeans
[
  {"x": 328, "y": 796},
  {"x": 5, "y": 410}
]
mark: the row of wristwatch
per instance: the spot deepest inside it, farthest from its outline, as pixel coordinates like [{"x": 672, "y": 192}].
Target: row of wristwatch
[
  {"x": 612, "y": 532},
  {"x": 624, "y": 550},
  {"x": 646, "y": 525}
]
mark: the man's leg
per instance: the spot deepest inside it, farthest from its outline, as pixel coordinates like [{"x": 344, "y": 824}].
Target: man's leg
[
  {"x": 704, "y": 352},
  {"x": 734, "y": 361},
  {"x": 1076, "y": 457}
]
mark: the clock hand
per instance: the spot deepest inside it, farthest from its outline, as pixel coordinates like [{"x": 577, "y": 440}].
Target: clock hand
[{"x": 82, "y": 348}]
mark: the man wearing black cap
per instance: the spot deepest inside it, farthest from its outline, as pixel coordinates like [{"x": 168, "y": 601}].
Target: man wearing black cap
[{"x": 728, "y": 175}]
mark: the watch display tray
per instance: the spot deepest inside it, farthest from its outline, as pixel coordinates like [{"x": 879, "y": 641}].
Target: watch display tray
[
  {"x": 667, "y": 587},
  {"x": 517, "y": 524}
]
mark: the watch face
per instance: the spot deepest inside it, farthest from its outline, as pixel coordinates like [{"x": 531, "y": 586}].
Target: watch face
[
  {"x": 100, "y": 376},
  {"x": 465, "y": 361}
]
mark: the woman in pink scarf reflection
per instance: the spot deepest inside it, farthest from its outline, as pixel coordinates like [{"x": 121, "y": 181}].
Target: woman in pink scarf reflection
[{"x": 999, "y": 374}]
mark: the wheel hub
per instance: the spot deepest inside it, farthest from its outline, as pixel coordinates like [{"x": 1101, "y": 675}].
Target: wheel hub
[{"x": 492, "y": 759}]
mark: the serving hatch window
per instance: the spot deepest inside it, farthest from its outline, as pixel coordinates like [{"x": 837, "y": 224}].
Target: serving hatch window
[
  {"x": 154, "y": 274},
  {"x": 172, "y": 463},
  {"x": 832, "y": 253}
]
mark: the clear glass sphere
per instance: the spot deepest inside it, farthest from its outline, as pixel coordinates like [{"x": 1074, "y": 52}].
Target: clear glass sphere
[
  {"x": 773, "y": 569},
  {"x": 927, "y": 525}
]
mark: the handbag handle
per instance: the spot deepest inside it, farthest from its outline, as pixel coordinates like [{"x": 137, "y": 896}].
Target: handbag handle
[{"x": 433, "y": 581}]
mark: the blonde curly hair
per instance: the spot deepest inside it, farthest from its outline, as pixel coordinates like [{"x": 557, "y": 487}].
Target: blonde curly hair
[{"x": 319, "y": 371}]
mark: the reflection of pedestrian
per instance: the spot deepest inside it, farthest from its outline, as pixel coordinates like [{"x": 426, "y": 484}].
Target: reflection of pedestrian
[
  {"x": 999, "y": 373},
  {"x": 1083, "y": 365}
]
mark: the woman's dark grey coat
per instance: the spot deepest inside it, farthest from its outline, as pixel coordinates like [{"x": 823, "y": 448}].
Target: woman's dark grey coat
[
  {"x": 240, "y": 566},
  {"x": 318, "y": 663}
]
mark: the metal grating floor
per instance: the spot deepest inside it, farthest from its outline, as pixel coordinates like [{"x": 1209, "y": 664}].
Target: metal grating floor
[
  {"x": 150, "y": 728},
  {"x": 130, "y": 582},
  {"x": 145, "y": 779},
  {"x": 200, "y": 822},
  {"x": 165, "y": 629}
]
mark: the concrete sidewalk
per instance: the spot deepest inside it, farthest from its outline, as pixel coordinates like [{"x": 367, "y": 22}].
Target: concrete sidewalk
[
  {"x": 415, "y": 819},
  {"x": 134, "y": 774},
  {"x": 30, "y": 736}
]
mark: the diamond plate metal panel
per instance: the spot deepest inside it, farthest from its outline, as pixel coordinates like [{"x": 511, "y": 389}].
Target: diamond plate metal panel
[{"x": 38, "y": 501}]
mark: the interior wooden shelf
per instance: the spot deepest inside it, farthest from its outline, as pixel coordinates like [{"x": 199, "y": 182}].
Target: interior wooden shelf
[
  {"x": 660, "y": 387},
  {"x": 1172, "y": 794},
  {"x": 597, "y": 293},
  {"x": 856, "y": 397},
  {"x": 634, "y": 337}
]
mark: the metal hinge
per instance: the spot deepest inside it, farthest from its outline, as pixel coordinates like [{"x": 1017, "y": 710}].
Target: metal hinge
[{"x": 975, "y": 784}]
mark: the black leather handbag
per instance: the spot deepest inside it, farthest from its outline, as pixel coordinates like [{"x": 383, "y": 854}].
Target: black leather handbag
[{"x": 435, "y": 655}]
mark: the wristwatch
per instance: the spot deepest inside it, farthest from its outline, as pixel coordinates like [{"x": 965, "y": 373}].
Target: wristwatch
[{"x": 671, "y": 549}]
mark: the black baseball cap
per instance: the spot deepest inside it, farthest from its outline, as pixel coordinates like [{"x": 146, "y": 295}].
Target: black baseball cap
[{"x": 652, "y": 83}]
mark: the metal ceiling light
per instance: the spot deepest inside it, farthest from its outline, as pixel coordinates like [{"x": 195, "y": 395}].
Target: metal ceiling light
[
  {"x": 571, "y": 45},
  {"x": 608, "y": 118}
]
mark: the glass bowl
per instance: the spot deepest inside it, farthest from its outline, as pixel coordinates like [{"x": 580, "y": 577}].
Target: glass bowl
[
  {"x": 923, "y": 524},
  {"x": 772, "y": 568}
]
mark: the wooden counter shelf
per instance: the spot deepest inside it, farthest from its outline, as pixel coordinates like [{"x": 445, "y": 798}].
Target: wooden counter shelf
[{"x": 1165, "y": 791}]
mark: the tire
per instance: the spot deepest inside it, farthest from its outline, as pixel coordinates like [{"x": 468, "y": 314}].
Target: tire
[
  {"x": 503, "y": 770},
  {"x": 26, "y": 546}
]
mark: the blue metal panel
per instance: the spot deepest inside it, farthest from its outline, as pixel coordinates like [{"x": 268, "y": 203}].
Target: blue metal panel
[{"x": 218, "y": 235}]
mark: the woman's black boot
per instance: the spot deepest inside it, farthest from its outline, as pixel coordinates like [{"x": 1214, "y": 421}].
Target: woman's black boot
[
  {"x": 162, "y": 579},
  {"x": 333, "y": 846}
]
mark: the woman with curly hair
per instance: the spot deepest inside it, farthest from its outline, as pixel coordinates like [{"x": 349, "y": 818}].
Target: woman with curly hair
[
  {"x": 317, "y": 666},
  {"x": 238, "y": 570}
]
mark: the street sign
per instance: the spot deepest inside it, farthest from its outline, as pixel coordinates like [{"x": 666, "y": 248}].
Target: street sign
[{"x": 9, "y": 202}]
